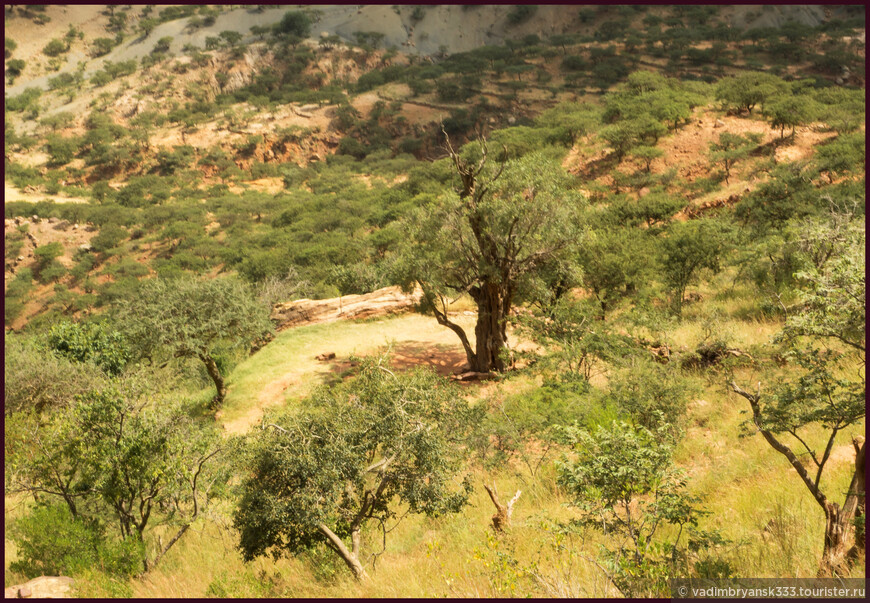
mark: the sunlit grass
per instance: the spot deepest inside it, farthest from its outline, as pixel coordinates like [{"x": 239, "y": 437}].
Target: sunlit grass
[{"x": 287, "y": 368}]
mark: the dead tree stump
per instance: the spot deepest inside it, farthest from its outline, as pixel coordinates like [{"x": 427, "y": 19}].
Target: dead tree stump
[{"x": 502, "y": 518}]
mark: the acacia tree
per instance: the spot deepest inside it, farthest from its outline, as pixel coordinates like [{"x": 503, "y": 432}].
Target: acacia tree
[
  {"x": 193, "y": 319},
  {"x": 610, "y": 267},
  {"x": 748, "y": 89},
  {"x": 570, "y": 121},
  {"x": 506, "y": 225},
  {"x": 731, "y": 148},
  {"x": 832, "y": 310},
  {"x": 322, "y": 476},
  {"x": 688, "y": 248},
  {"x": 789, "y": 111}
]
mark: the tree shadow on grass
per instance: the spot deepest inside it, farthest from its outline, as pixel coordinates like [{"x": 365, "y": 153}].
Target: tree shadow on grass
[{"x": 444, "y": 359}]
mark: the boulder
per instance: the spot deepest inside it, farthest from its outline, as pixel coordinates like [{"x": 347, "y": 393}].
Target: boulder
[
  {"x": 44, "y": 587},
  {"x": 389, "y": 300}
]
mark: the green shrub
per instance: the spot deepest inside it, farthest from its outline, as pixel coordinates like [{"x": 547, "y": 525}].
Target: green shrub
[
  {"x": 61, "y": 150},
  {"x": 46, "y": 254},
  {"x": 521, "y": 13},
  {"x": 24, "y": 101},
  {"x": 653, "y": 395},
  {"x": 14, "y": 68},
  {"x": 55, "y": 48},
  {"x": 102, "y": 46},
  {"x": 51, "y": 542},
  {"x": 162, "y": 45},
  {"x": 534, "y": 416},
  {"x": 295, "y": 23},
  {"x": 51, "y": 272},
  {"x": 108, "y": 238},
  {"x": 351, "y": 146},
  {"x": 92, "y": 342}
]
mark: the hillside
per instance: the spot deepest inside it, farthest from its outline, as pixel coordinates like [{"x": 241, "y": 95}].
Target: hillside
[{"x": 625, "y": 243}]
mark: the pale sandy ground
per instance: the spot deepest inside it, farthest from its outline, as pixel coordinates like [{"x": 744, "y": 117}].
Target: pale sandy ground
[{"x": 11, "y": 193}]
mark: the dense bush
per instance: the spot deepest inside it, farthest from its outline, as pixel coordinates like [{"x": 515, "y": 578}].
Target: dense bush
[
  {"x": 51, "y": 542},
  {"x": 92, "y": 342},
  {"x": 55, "y": 48}
]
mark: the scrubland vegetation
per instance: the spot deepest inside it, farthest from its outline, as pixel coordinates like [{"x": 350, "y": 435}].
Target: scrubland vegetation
[{"x": 645, "y": 235}]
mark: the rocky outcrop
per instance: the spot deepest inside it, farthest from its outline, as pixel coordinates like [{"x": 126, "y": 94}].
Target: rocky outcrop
[
  {"x": 389, "y": 300},
  {"x": 44, "y": 587}
]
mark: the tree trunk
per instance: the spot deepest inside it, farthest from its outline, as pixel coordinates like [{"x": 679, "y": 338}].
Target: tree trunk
[
  {"x": 351, "y": 560},
  {"x": 490, "y": 334},
  {"x": 844, "y": 544},
  {"x": 215, "y": 374}
]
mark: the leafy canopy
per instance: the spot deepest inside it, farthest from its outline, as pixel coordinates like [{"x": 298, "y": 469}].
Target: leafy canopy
[{"x": 356, "y": 452}]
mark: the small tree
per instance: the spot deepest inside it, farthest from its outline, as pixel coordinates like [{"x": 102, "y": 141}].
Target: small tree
[
  {"x": 322, "y": 476},
  {"x": 146, "y": 26},
  {"x": 621, "y": 137},
  {"x": 731, "y": 148},
  {"x": 102, "y": 46},
  {"x": 789, "y": 112},
  {"x": 232, "y": 37},
  {"x": 748, "y": 89},
  {"x": 647, "y": 155},
  {"x": 570, "y": 121},
  {"x": 104, "y": 455},
  {"x": 610, "y": 266},
  {"x": 47, "y": 267},
  {"x": 688, "y": 248},
  {"x": 193, "y": 319},
  {"x": 294, "y": 23},
  {"x": 832, "y": 310},
  {"x": 624, "y": 483}
]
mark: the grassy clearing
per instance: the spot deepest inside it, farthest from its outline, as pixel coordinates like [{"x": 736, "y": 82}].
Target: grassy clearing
[{"x": 287, "y": 367}]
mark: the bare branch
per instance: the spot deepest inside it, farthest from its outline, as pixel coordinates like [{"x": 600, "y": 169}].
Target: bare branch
[{"x": 777, "y": 445}]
